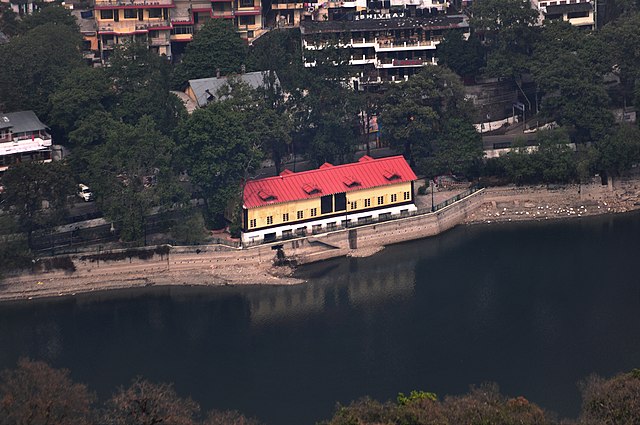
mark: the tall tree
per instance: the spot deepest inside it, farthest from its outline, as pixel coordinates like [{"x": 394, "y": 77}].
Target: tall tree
[
  {"x": 218, "y": 151},
  {"x": 619, "y": 151},
  {"x": 38, "y": 194},
  {"x": 508, "y": 28},
  {"x": 415, "y": 113},
  {"x": 139, "y": 81},
  {"x": 8, "y": 20},
  {"x": 34, "y": 64},
  {"x": 129, "y": 171},
  {"x": 34, "y": 393},
  {"x": 145, "y": 403},
  {"x": 611, "y": 401},
  {"x": 464, "y": 57},
  {"x": 50, "y": 13},
  {"x": 216, "y": 46}
]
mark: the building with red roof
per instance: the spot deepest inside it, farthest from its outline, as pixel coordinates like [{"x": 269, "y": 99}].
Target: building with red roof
[{"x": 328, "y": 198}]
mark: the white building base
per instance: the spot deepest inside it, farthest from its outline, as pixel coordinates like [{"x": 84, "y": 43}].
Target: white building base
[{"x": 324, "y": 225}]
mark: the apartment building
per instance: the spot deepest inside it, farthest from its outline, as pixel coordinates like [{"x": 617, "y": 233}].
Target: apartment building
[
  {"x": 383, "y": 47},
  {"x": 321, "y": 200},
  {"x": 146, "y": 21}
]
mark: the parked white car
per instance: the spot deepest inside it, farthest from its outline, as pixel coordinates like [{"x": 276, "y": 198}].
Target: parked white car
[{"x": 85, "y": 193}]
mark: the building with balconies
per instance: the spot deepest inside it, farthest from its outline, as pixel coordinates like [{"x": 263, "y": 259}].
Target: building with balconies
[
  {"x": 382, "y": 46},
  {"x": 23, "y": 138},
  {"x": 121, "y": 21}
]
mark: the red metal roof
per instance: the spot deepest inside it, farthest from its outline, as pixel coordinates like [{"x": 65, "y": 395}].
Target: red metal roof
[{"x": 326, "y": 180}]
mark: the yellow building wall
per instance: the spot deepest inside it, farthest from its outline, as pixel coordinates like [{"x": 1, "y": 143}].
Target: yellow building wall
[
  {"x": 277, "y": 211},
  {"x": 123, "y": 21}
]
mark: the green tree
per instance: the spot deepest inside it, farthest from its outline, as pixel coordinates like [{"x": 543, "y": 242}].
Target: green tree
[
  {"x": 34, "y": 393},
  {"x": 279, "y": 51},
  {"x": 571, "y": 82},
  {"x": 34, "y": 63},
  {"x": 217, "y": 150},
  {"x": 618, "y": 152},
  {"x": 145, "y": 403},
  {"x": 216, "y": 46},
  {"x": 464, "y": 57},
  {"x": 129, "y": 171},
  {"x": 49, "y": 14},
  {"x": 140, "y": 82},
  {"x": 508, "y": 28},
  {"x": 415, "y": 113},
  {"x": 38, "y": 194}
]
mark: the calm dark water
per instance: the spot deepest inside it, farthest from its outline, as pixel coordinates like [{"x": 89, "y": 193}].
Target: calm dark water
[{"x": 534, "y": 307}]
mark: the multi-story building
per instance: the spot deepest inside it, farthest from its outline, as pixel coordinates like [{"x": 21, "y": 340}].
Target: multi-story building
[
  {"x": 383, "y": 46},
  {"x": 579, "y": 13},
  {"x": 23, "y": 137},
  {"x": 121, "y": 21},
  {"x": 321, "y": 200}
]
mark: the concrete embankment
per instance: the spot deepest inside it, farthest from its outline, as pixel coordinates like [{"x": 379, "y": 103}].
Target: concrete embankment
[{"x": 221, "y": 265}]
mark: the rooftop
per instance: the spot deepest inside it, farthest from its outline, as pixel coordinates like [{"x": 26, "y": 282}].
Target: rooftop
[
  {"x": 206, "y": 89},
  {"x": 426, "y": 22},
  {"x": 22, "y": 122},
  {"x": 326, "y": 180}
]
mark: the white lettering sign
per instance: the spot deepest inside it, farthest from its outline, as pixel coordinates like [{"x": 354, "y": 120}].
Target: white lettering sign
[{"x": 379, "y": 16}]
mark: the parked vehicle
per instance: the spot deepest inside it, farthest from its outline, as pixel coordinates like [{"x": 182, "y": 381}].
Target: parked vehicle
[{"x": 85, "y": 193}]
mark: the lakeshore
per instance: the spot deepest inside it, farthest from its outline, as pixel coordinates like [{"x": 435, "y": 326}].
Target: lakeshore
[{"x": 217, "y": 266}]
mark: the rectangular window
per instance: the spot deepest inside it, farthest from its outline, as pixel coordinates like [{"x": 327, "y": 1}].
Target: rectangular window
[
  {"x": 106, "y": 14},
  {"x": 314, "y": 212},
  {"x": 285, "y": 217},
  {"x": 380, "y": 200},
  {"x": 300, "y": 215},
  {"x": 353, "y": 205},
  {"x": 341, "y": 201},
  {"x": 269, "y": 219},
  {"x": 155, "y": 13},
  {"x": 252, "y": 223},
  {"x": 246, "y": 3},
  {"x": 130, "y": 14},
  {"x": 407, "y": 196},
  {"x": 394, "y": 197},
  {"x": 247, "y": 20},
  {"x": 326, "y": 204},
  {"x": 367, "y": 203}
]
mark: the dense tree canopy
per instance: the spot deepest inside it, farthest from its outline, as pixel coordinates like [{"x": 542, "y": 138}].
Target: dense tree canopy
[{"x": 216, "y": 46}]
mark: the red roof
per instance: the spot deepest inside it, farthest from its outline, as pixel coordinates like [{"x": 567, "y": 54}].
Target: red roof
[{"x": 326, "y": 180}]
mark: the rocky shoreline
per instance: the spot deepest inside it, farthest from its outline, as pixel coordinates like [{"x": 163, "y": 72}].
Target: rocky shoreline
[{"x": 201, "y": 268}]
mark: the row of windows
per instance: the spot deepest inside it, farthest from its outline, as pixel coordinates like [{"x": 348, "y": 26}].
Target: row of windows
[
  {"x": 134, "y": 14},
  {"x": 314, "y": 211}
]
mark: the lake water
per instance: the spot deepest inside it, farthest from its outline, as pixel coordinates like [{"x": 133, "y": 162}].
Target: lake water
[{"x": 535, "y": 307}]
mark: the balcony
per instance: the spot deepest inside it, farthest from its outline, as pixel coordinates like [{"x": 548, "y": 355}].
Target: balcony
[
  {"x": 225, "y": 14},
  {"x": 403, "y": 63},
  {"x": 158, "y": 41},
  {"x": 254, "y": 10},
  {"x": 106, "y": 4},
  {"x": 379, "y": 44},
  {"x": 134, "y": 26},
  {"x": 287, "y": 6}
]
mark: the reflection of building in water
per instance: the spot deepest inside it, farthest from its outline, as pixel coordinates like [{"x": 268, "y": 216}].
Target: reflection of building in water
[{"x": 340, "y": 286}]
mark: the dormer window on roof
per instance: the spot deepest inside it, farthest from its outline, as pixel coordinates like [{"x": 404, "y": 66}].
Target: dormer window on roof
[
  {"x": 266, "y": 196},
  {"x": 390, "y": 175},
  {"x": 350, "y": 181},
  {"x": 310, "y": 189}
]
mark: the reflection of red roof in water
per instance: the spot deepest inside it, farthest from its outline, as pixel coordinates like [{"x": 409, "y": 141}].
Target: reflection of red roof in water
[{"x": 326, "y": 180}]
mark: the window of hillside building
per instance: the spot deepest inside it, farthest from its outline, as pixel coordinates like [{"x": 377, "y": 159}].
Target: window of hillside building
[
  {"x": 246, "y": 3},
  {"x": 130, "y": 14},
  {"x": 155, "y": 13},
  {"x": 154, "y": 34},
  {"x": 316, "y": 228},
  {"x": 367, "y": 203},
  {"x": 252, "y": 223},
  {"x": 269, "y": 219},
  {"x": 407, "y": 196},
  {"x": 300, "y": 215},
  {"x": 106, "y": 14},
  {"x": 285, "y": 217},
  {"x": 301, "y": 231},
  {"x": 340, "y": 201},
  {"x": 380, "y": 200},
  {"x": 246, "y": 20},
  {"x": 573, "y": 15},
  {"x": 287, "y": 234},
  {"x": 326, "y": 204},
  {"x": 394, "y": 197},
  {"x": 314, "y": 212},
  {"x": 353, "y": 205}
]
